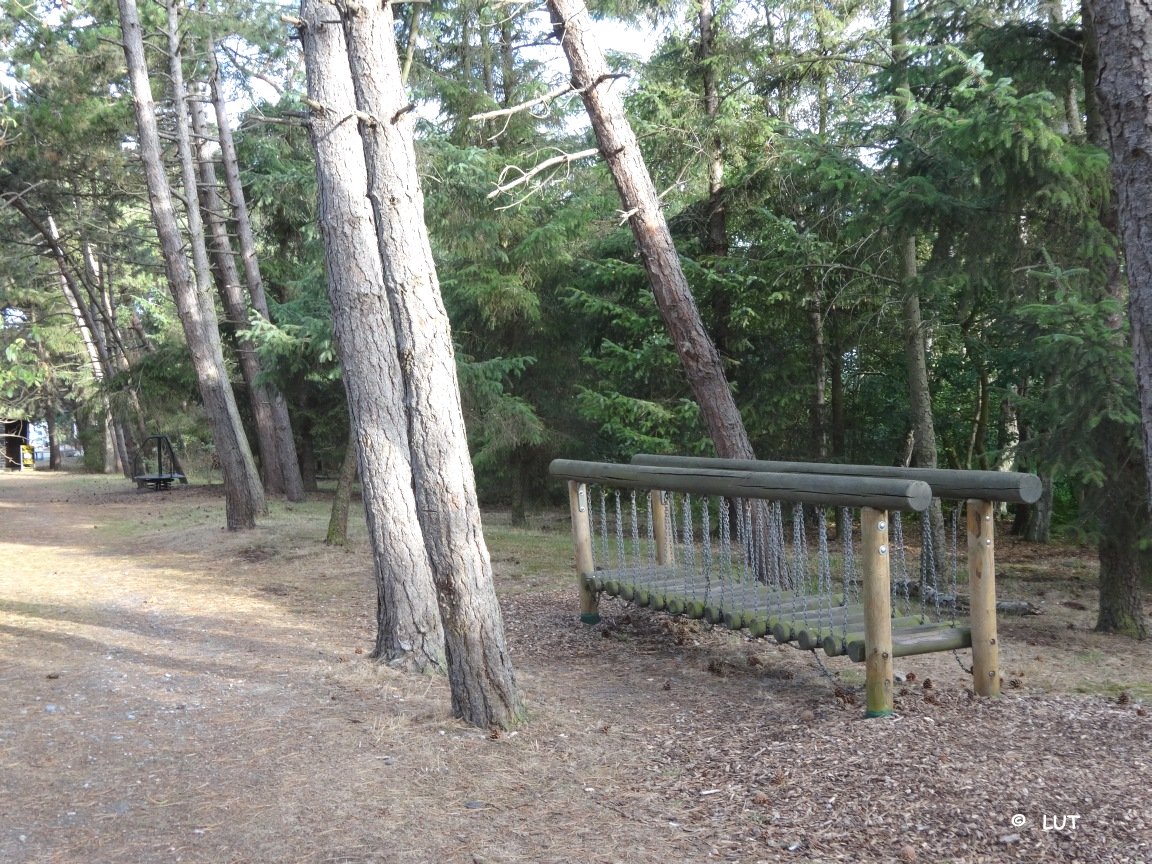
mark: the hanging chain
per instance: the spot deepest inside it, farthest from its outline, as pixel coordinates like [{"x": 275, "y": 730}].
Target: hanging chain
[
  {"x": 706, "y": 542},
  {"x": 900, "y": 588},
  {"x": 929, "y": 578},
  {"x": 851, "y": 585},
  {"x": 954, "y": 559},
  {"x": 689, "y": 535},
  {"x": 635, "y": 532},
  {"x": 651, "y": 533},
  {"x": 824, "y": 561},
  {"x": 604, "y": 525},
  {"x": 620, "y": 549},
  {"x": 799, "y": 549}
]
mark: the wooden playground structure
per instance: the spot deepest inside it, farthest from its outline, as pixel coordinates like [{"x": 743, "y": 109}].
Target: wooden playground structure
[{"x": 710, "y": 539}]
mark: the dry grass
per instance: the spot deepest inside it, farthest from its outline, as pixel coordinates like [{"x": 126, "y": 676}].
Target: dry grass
[{"x": 173, "y": 692}]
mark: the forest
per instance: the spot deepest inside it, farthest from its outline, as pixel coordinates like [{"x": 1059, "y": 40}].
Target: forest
[{"x": 897, "y": 224}]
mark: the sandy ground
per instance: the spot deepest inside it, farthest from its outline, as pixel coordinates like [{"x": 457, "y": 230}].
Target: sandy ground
[{"x": 171, "y": 692}]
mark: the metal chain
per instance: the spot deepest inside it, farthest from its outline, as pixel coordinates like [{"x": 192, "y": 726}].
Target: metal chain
[
  {"x": 690, "y": 543},
  {"x": 954, "y": 560},
  {"x": 832, "y": 679},
  {"x": 851, "y": 577},
  {"x": 960, "y": 662},
  {"x": 635, "y": 531},
  {"x": 799, "y": 548},
  {"x": 706, "y": 540},
  {"x": 604, "y": 525},
  {"x": 824, "y": 561},
  {"x": 620, "y": 549},
  {"x": 900, "y": 589},
  {"x": 929, "y": 578},
  {"x": 651, "y": 533}
]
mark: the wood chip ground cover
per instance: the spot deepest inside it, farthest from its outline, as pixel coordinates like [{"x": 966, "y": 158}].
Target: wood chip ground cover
[{"x": 172, "y": 692}]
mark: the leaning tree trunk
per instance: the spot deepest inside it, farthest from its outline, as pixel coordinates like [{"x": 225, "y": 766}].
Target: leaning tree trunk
[
  {"x": 480, "y": 673},
  {"x": 293, "y": 481},
  {"x": 618, "y": 145},
  {"x": 409, "y": 631},
  {"x": 1123, "y": 79},
  {"x": 80, "y": 297},
  {"x": 235, "y": 307},
  {"x": 244, "y": 497}
]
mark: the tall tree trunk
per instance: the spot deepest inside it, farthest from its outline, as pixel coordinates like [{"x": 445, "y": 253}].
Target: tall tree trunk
[
  {"x": 1118, "y": 61},
  {"x": 293, "y": 483},
  {"x": 702, "y": 363},
  {"x": 83, "y": 302},
  {"x": 480, "y": 672},
  {"x": 508, "y": 83},
  {"x": 836, "y": 388},
  {"x": 1121, "y": 81},
  {"x": 308, "y": 456},
  {"x": 53, "y": 441},
  {"x": 341, "y": 502},
  {"x": 819, "y": 377},
  {"x": 716, "y": 228},
  {"x": 409, "y": 630},
  {"x": 227, "y": 279},
  {"x": 414, "y": 10},
  {"x": 924, "y": 451},
  {"x": 244, "y": 497}
]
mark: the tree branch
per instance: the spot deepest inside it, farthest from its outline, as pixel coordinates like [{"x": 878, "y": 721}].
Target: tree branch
[{"x": 547, "y": 164}]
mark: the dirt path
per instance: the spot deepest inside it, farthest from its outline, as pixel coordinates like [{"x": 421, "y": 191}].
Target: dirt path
[{"x": 170, "y": 692}]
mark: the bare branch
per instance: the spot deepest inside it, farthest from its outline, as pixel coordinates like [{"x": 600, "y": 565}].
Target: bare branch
[
  {"x": 526, "y": 106},
  {"x": 547, "y": 164}
]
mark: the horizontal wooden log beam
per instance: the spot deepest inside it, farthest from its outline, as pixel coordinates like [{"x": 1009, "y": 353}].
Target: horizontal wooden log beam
[
  {"x": 830, "y": 490},
  {"x": 927, "y": 639},
  {"x": 1009, "y": 486}
]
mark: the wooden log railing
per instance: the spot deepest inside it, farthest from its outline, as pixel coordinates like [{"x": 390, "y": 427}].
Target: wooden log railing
[{"x": 873, "y": 496}]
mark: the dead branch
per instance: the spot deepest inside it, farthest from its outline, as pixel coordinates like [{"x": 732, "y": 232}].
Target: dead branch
[
  {"x": 547, "y": 164},
  {"x": 547, "y": 98}
]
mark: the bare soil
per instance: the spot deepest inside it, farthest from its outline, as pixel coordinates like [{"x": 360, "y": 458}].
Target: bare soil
[{"x": 172, "y": 692}]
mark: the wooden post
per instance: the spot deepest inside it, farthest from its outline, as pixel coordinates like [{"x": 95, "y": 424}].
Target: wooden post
[
  {"x": 877, "y": 612},
  {"x": 660, "y": 526},
  {"x": 982, "y": 588},
  {"x": 582, "y": 540}
]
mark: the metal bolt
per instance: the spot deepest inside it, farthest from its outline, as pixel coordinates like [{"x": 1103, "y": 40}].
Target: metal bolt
[
  {"x": 987, "y": 542},
  {"x": 883, "y": 549},
  {"x": 881, "y": 525}
]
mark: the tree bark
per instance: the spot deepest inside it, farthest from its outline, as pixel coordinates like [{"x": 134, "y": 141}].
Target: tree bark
[
  {"x": 227, "y": 279},
  {"x": 293, "y": 482},
  {"x": 924, "y": 452},
  {"x": 409, "y": 630},
  {"x": 1118, "y": 63},
  {"x": 480, "y": 672},
  {"x": 341, "y": 502},
  {"x": 244, "y": 498},
  {"x": 1122, "y": 81},
  {"x": 1123, "y": 516},
  {"x": 620, "y": 149}
]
